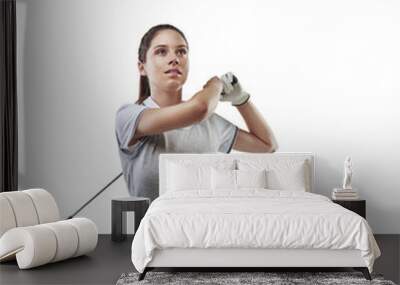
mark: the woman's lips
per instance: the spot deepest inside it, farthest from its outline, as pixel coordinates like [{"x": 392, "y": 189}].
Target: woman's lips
[{"x": 173, "y": 73}]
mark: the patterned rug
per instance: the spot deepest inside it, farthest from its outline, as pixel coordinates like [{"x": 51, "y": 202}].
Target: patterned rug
[{"x": 270, "y": 278}]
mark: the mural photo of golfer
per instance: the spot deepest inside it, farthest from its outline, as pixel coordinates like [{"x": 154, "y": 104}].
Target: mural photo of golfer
[
  {"x": 142, "y": 140},
  {"x": 161, "y": 122}
]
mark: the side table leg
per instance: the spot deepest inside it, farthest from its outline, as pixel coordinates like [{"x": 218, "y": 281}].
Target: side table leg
[{"x": 118, "y": 222}]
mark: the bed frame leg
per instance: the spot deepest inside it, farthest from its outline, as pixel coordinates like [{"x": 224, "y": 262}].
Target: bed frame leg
[
  {"x": 364, "y": 271},
  {"x": 143, "y": 274}
]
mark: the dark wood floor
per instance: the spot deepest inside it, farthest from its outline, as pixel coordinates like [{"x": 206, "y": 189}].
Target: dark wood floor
[{"x": 111, "y": 259}]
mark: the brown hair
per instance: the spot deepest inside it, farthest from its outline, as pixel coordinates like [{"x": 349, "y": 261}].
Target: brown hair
[{"x": 144, "y": 87}]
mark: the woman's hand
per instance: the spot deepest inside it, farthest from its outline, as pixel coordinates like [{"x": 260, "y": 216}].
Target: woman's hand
[
  {"x": 214, "y": 82},
  {"x": 233, "y": 91},
  {"x": 209, "y": 96}
]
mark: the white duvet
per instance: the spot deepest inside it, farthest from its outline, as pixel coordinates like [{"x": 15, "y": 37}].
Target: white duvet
[{"x": 251, "y": 218}]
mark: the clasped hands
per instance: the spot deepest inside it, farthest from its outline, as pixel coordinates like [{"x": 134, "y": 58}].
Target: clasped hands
[{"x": 232, "y": 90}]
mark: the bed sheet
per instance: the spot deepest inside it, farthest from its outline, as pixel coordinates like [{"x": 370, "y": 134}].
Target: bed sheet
[{"x": 250, "y": 218}]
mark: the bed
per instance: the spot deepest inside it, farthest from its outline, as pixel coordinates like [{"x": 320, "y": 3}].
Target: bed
[{"x": 248, "y": 210}]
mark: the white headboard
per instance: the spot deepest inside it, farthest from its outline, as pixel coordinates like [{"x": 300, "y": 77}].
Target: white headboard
[{"x": 210, "y": 157}]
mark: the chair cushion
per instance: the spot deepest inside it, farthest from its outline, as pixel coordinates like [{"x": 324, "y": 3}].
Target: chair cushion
[
  {"x": 32, "y": 246},
  {"x": 27, "y": 208},
  {"x": 45, "y": 205},
  {"x": 40, "y": 244},
  {"x": 23, "y": 208},
  {"x": 7, "y": 220}
]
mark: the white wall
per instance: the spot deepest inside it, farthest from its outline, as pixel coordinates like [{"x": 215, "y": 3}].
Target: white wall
[{"x": 325, "y": 75}]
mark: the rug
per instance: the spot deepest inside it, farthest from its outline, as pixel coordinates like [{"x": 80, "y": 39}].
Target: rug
[{"x": 269, "y": 278}]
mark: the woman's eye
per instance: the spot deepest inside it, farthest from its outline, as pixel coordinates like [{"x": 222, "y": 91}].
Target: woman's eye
[
  {"x": 162, "y": 51},
  {"x": 182, "y": 51}
]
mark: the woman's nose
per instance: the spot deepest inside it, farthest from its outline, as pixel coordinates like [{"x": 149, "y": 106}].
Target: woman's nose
[{"x": 174, "y": 60}]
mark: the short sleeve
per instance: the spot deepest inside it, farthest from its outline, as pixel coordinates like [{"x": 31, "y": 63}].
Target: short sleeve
[
  {"x": 226, "y": 133},
  {"x": 126, "y": 122}
]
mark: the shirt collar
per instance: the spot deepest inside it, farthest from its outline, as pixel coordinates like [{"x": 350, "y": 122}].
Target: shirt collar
[{"x": 149, "y": 102}]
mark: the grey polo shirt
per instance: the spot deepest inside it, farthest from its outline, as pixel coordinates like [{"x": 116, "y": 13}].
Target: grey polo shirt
[{"x": 140, "y": 161}]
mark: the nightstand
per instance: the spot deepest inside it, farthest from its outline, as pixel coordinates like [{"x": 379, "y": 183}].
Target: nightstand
[
  {"x": 357, "y": 206},
  {"x": 119, "y": 207}
]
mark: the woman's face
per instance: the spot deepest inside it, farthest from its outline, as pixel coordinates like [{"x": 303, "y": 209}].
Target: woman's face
[{"x": 168, "y": 50}]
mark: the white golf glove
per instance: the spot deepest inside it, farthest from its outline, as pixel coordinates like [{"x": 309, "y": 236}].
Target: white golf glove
[{"x": 232, "y": 90}]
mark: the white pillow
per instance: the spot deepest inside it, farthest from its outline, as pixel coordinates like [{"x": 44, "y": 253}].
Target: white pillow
[
  {"x": 223, "y": 179},
  {"x": 287, "y": 179},
  {"x": 226, "y": 179},
  {"x": 181, "y": 177},
  {"x": 186, "y": 175},
  {"x": 251, "y": 178},
  {"x": 282, "y": 175}
]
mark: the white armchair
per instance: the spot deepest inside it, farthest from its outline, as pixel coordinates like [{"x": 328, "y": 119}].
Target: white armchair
[{"x": 32, "y": 233}]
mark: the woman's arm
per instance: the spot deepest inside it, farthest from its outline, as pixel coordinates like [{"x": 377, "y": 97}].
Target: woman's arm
[
  {"x": 198, "y": 108},
  {"x": 260, "y": 137}
]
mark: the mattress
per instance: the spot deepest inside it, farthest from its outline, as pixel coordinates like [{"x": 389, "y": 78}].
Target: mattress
[{"x": 250, "y": 218}]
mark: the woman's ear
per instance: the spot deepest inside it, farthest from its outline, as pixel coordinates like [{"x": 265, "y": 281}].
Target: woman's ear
[{"x": 142, "y": 71}]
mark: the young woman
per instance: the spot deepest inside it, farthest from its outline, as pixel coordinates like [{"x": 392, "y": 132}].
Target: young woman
[{"x": 161, "y": 122}]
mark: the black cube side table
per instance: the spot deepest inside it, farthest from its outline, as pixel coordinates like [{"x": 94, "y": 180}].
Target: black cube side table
[
  {"x": 119, "y": 207},
  {"x": 357, "y": 206}
]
